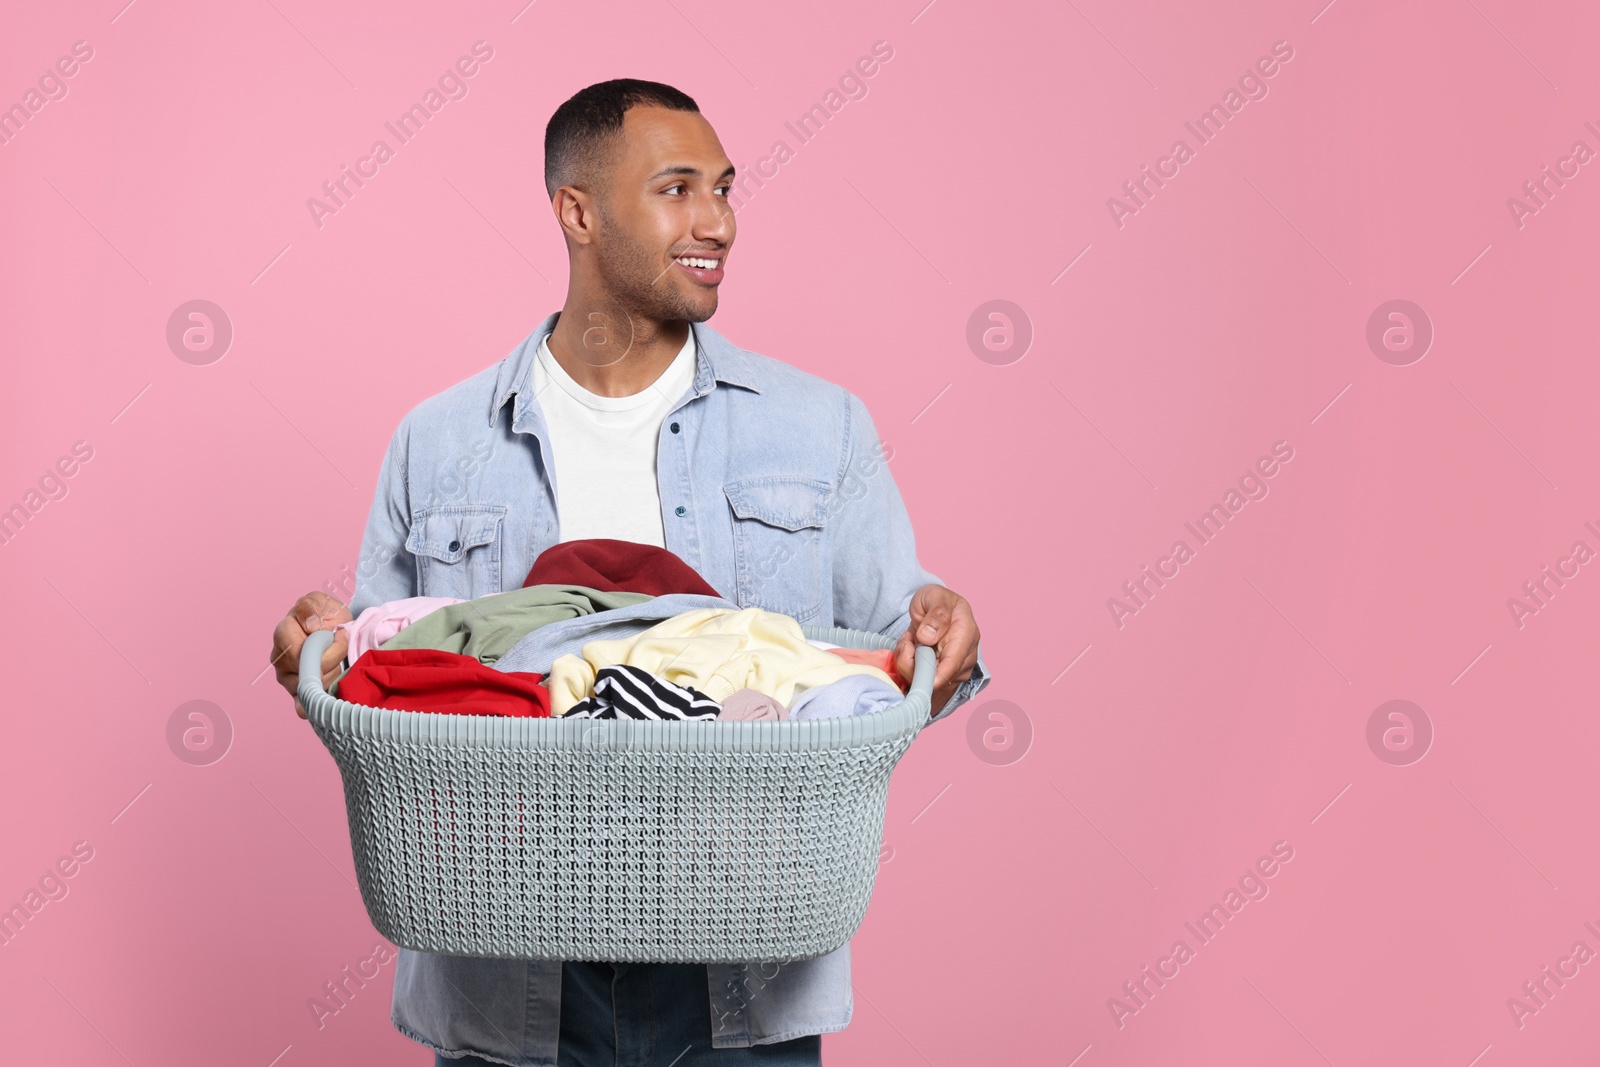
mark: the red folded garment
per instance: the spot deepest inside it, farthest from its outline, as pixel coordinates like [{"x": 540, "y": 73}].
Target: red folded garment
[
  {"x": 614, "y": 566},
  {"x": 426, "y": 679},
  {"x": 881, "y": 658}
]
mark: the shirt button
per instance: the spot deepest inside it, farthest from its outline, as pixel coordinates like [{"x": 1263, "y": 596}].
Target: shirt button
[
  {"x": 674, "y": 427},
  {"x": 455, "y": 546},
  {"x": 680, "y": 509}
]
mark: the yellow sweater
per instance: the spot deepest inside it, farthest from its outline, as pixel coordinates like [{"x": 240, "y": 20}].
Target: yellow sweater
[{"x": 714, "y": 650}]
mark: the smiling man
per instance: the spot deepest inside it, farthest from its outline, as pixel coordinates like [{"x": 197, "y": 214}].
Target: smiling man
[{"x": 624, "y": 416}]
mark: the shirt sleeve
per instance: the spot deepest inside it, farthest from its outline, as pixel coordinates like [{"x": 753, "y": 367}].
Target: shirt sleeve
[
  {"x": 875, "y": 566},
  {"x": 386, "y": 570}
]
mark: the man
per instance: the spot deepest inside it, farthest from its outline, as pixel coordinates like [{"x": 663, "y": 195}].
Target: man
[{"x": 623, "y": 416}]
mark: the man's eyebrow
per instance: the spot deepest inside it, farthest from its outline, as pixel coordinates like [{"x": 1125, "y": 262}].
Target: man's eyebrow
[{"x": 686, "y": 171}]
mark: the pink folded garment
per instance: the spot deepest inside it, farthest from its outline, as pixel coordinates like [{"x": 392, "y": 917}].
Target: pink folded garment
[
  {"x": 382, "y": 621},
  {"x": 881, "y": 658},
  {"x": 750, "y": 705}
]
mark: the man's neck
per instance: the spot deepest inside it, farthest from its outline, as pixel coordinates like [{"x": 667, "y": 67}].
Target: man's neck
[{"x": 614, "y": 352}]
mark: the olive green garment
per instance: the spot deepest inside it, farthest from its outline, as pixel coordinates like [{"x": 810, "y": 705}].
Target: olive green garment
[{"x": 487, "y": 627}]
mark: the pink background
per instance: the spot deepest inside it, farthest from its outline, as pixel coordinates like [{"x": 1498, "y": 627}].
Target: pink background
[{"x": 1229, "y": 714}]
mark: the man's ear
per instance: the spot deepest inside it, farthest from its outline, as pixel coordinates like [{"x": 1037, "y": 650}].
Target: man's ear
[{"x": 574, "y": 210}]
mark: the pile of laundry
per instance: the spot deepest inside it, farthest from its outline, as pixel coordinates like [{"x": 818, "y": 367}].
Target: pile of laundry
[{"x": 607, "y": 629}]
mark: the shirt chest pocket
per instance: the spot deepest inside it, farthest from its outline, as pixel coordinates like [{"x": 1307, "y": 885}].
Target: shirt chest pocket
[
  {"x": 457, "y": 549},
  {"x": 780, "y": 559}
]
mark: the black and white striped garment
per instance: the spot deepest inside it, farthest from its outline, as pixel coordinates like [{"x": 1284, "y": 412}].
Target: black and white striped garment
[{"x": 623, "y": 691}]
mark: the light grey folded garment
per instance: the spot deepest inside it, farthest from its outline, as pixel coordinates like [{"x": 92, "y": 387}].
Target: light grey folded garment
[
  {"x": 854, "y": 694},
  {"x": 539, "y": 648}
]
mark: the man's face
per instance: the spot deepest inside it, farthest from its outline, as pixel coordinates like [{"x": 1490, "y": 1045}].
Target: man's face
[{"x": 666, "y": 199}]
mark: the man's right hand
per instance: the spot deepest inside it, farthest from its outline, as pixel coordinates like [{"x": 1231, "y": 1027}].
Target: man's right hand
[{"x": 312, "y": 612}]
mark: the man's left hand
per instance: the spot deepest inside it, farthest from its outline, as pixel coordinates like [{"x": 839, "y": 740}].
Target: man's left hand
[{"x": 943, "y": 619}]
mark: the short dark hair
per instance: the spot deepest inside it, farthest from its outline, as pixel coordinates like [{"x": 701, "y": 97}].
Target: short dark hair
[{"x": 582, "y": 129}]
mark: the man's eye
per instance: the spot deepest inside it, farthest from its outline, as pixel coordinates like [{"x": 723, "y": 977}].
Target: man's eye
[
  {"x": 673, "y": 188},
  {"x": 723, "y": 189}
]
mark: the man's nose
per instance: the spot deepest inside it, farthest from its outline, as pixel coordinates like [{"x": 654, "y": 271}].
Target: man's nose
[{"x": 713, "y": 220}]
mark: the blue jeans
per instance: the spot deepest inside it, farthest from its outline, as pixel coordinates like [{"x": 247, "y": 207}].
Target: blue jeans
[{"x": 649, "y": 1015}]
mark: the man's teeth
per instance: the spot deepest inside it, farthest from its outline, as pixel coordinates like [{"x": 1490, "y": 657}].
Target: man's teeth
[{"x": 703, "y": 264}]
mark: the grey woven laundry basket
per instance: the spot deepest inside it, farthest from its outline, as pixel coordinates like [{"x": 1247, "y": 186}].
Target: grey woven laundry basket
[{"x": 710, "y": 842}]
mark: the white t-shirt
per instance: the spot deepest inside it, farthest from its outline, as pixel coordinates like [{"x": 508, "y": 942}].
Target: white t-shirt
[{"x": 604, "y": 449}]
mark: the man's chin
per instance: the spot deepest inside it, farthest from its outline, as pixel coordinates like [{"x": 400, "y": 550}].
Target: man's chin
[
  {"x": 697, "y": 306},
  {"x": 701, "y": 310}
]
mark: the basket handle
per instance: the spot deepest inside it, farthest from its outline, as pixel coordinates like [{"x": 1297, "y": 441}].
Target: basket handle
[
  {"x": 310, "y": 689},
  {"x": 927, "y": 662}
]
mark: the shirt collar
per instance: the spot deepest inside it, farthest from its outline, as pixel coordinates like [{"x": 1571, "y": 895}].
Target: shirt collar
[{"x": 716, "y": 360}]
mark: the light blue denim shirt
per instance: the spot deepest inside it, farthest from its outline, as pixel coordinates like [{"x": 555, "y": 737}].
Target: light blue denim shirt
[{"x": 774, "y": 486}]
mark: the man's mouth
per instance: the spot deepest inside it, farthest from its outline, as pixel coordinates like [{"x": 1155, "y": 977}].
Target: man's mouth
[{"x": 707, "y": 270}]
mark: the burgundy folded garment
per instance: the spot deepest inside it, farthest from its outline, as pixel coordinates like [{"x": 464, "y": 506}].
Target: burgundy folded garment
[
  {"x": 614, "y": 566},
  {"x": 426, "y": 679}
]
